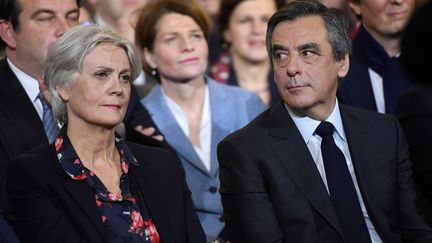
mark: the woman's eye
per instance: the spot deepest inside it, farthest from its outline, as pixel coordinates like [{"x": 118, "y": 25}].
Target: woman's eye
[
  {"x": 101, "y": 75},
  {"x": 125, "y": 78}
]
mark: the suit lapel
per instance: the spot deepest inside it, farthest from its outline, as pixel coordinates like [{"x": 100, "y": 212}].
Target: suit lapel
[
  {"x": 291, "y": 150},
  {"x": 364, "y": 155},
  {"x": 219, "y": 121},
  {"x": 157, "y": 213},
  {"x": 173, "y": 133},
  {"x": 19, "y": 110},
  {"x": 82, "y": 194}
]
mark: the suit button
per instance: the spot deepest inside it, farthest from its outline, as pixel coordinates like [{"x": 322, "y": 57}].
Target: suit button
[{"x": 213, "y": 189}]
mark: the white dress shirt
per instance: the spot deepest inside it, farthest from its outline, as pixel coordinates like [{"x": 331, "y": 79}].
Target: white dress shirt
[
  {"x": 205, "y": 127},
  {"x": 307, "y": 127}
]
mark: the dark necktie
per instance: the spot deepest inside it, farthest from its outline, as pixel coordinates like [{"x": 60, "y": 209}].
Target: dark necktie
[
  {"x": 50, "y": 126},
  {"x": 341, "y": 188}
]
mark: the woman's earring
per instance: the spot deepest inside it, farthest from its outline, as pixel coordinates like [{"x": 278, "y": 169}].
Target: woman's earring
[{"x": 153, "y": 72}]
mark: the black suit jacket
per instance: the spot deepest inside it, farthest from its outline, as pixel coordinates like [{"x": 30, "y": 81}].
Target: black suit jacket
[
  {"x": 414, "y": 110},
  {"x": 355, "y": 88},
  {"x": 46, "y": 205},
  {"x": 272, "y": 191},
  {"x": 21, "y": 129}
]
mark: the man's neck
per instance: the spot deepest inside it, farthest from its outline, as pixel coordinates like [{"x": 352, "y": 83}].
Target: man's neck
[{"x": 33, "y": 71}]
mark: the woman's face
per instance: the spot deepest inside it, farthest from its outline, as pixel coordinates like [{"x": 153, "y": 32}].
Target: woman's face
[
  {"x": 180, "y": 50},
  {"x": 247, "y": 29},
  {"x": 100, "y": 93}
]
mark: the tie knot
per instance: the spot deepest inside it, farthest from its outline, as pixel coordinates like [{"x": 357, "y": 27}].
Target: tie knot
[{"x": 324, "y": 129}]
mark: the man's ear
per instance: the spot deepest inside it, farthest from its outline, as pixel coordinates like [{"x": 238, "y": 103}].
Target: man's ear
[
  {"x": 355, "y": 6},
  {"x": 7, "y": 33},
  {"x": 149, "y": 58},
  {"x": 344, "y": 64}
]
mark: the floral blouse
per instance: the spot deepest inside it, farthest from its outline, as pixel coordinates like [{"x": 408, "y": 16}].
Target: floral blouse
[{"x": 125, "y": 216}]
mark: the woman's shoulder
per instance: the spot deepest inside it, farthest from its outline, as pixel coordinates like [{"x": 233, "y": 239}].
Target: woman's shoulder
[
  {"x": 38, "y": 157},
  {"x": 153, "y": 155}
]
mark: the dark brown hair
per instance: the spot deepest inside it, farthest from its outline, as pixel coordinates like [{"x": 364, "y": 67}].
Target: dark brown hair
[{"x": 145, "y": 29}]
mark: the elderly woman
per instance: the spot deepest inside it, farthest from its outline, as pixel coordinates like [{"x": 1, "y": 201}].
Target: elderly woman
[
  {"x": 245, "y": 63},
  {"x": 90, "y": 185},
  {"x": 191, "y": 110}
]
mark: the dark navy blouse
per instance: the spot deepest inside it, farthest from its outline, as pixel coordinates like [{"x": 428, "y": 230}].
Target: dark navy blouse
[{"x": 126, "y": 217}]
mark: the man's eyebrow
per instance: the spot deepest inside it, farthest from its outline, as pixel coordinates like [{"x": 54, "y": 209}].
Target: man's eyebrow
[
  {"x": 309, "y": 46},
  {"x": 73, "y": 11},
  {"x": 277, "y": 47}
]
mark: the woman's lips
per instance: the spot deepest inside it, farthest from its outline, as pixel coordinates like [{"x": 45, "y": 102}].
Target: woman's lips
[
  {"x": 113, "y": 106},
  {"x": 189, "y": 60}
]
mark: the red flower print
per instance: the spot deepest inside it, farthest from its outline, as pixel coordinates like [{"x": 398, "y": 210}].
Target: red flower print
[
  {"x": 103, "y": 218},
  {"x": 137, "y": 222},
  {"x": 79, "y": 177},
  {"x": 92, "y": 173},
  {"x": 153, "y": 234},
  {"x": 98, "y": 202},
  {"x": 58, "y": 143},
  {"x": 131, "y": 199},
  {"x": 113, "y": 197},
  {"x": 76, "y": 162},
  {"x": 121, "y": 151},
  {"x": 125, "y": 167}
]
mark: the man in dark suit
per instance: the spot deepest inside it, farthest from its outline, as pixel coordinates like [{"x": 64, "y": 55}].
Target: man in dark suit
[
  {"x": 27, "y": 29},
  {"x": 284, "y": 178},
  {"x": 375, "y": 79}
]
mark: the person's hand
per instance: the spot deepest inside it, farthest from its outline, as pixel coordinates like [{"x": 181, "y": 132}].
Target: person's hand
[
  {"x": 43, "y": 88},
  {"x": 149, "y": 132}
]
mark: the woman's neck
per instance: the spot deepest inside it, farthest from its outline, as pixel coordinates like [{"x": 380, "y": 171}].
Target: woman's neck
[
  {"x": 188, "y": 95},
  {"x": 94, "y": 145}
]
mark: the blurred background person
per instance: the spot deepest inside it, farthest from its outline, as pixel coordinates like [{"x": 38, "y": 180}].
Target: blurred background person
[
  {"x": 90, "y": 185},
  {"x": 118, "y": 15},
  {"x": 245, "y": 62},
  {"x": 193, "y": 111},
  {"x": 414, "y": 107},
  {"x": 375, "y": 79},
  {"x": 212, "y": 7}
]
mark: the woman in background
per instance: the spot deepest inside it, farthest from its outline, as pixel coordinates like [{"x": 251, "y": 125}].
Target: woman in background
[
  {"x": 245, "y": 63},
  {"x": 90, "y": 185},
  {"x": 193, "y": 111}
]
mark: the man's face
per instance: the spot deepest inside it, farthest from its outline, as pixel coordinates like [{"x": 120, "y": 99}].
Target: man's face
[
  {"x": 384, "y": 18},
  {"x": 41, "y": 23},
  {"x": 305, "y": 71}
]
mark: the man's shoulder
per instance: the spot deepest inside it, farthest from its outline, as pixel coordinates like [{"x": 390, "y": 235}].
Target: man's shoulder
[
  {"x": 253, "y": 130},
  {"x": 373, "y": 120}
]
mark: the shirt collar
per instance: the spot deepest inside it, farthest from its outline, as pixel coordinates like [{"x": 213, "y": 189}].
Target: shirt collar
[
  {"x": 307, "y": 125},
  {"x": 30, "y": 85},
  {"x": 71, "y": 163}
]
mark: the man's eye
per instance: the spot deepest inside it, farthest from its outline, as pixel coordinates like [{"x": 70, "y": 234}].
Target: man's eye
[
  {"x": 309, "y": 56},
  {"x": 45, "y": 18},
  {"x": 280, "y": 55}
]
